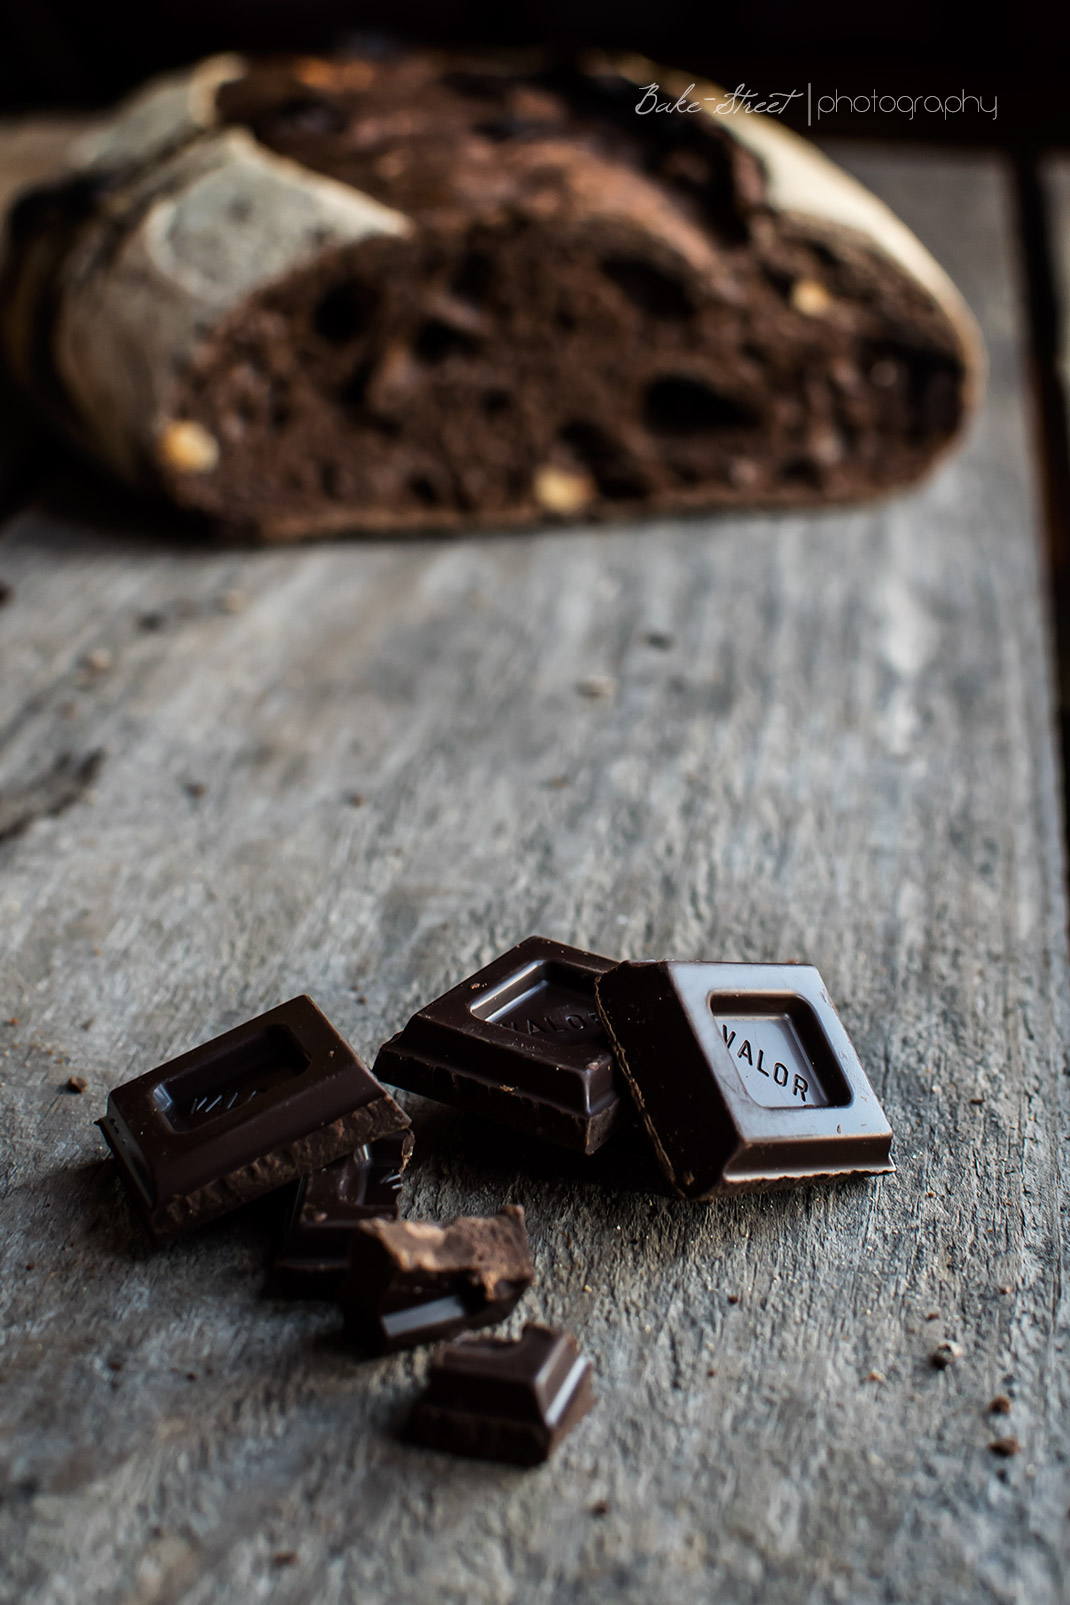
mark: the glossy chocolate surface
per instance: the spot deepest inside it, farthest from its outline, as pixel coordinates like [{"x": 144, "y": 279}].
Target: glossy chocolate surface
[
  {"x": 520, "y": 1043},
  {"x": 365, "y": 1185},
  {"x": 743, "y": 1075},
  {"x": 501, "y": 1400},
  {"x": 247, "y": 1112}
]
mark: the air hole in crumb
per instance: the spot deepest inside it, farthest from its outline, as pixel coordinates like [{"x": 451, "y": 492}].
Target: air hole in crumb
[
  {"x": 825, "y": 254},
  {"x": 495, "y": 402},
  {"x": 780, "y": 281},
  {"x": 436, "y": 341},
  {"x": 471, "y": 282},
  {"x": 622, "y": 487},
  {"x": 648, "y": 287},
  {"x": 616, "y": 479},
  {"x": 344, "y": 312},
  {"x": 425, "y": 493},
  {"x": 688, "y": 167},
  {"x": 475, "y": 85},
  {"x": 564, "y": 319},
  {"x": 679, "y": 406},
  {"x": 511, "y": 126},
  {"x": 801, "y": 471},
  {"x": 932, "y": 380},
  {"x": 353, "y": 393},
  {"x": 588, "y": 442},
  {"x": 303, "y": 116},
  {"x": 940, "y": 404},
  {"x": 331, "y": 481}
]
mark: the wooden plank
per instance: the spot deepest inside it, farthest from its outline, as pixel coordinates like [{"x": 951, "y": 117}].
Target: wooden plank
[{"x": 845, "y": 755}]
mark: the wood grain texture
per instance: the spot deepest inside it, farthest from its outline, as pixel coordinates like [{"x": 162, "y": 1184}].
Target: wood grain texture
[{"x": 844, "y": 755}]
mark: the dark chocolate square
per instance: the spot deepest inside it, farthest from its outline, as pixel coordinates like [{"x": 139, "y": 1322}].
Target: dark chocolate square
[
  {"x": 520, "y": 1043},
  {"x": 496, "y": 1399},
  {"x": 238, "y": 1116},
  {"x": 743, "y": 1075},
  {"x": 327, "y": 1204}
]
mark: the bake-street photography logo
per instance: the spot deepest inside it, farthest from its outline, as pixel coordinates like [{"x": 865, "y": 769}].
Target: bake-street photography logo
[{"x": 834, "y": 103}]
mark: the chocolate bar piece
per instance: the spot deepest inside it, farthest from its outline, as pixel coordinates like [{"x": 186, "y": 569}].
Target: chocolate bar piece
[
  {"x": 499, "y": 1400},
  {"x": 413, "y": 1282},
  {"x": 277, "y": 1097},
  {"x": 327, "y": 1205},
  {"x": 743, "y": 1075},
  {"x": 520, "y": 1043}
]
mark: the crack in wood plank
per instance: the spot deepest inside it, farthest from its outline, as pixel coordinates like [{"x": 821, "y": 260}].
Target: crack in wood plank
[{"x": 48, "y": 794}]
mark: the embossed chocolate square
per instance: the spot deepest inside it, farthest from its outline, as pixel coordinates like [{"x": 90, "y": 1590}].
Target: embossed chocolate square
[
  {"x": 743, "y": 1075},
  {"x": 277, "y": 1097},
  {"x": 520, "y": 1043}
]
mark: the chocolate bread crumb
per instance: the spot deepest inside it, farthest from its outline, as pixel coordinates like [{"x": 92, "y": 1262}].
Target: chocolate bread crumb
[{"x": 535, "y": 304}]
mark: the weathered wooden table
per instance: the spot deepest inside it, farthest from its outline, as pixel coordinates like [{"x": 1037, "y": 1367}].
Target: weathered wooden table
[{"x": 845, "y": 754}]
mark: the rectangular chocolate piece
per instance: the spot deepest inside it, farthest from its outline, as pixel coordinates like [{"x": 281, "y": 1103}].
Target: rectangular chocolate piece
[
  {"x": 520, "y": 1043},
  {"x": 493, "y": 1399},
  {"x": 247, "y": 1112},
  {"x": 412, "y": 1282},
  {"x": 327, "y": 1204},
  {"x": 743, "y": 1075}
]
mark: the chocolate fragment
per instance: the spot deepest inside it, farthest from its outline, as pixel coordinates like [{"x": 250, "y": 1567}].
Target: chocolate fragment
[
  {"x": 412, "y": 1282},
  {"x": 327, "y": 1205},
  {"x": 520, "y": 1043},
  {"x": 499, "y": 1400},
  {"x": 277, "y": 1097},
  {"x": 743, "y": 1075}
]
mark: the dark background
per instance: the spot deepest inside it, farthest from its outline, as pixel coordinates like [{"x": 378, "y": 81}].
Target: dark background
[{"x": 68, "y": 52}]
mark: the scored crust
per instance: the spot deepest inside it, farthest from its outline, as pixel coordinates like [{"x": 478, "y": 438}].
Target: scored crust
[{"x": 431, "y": 291}]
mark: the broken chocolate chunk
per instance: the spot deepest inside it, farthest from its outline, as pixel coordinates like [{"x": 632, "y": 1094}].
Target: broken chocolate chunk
[
  {"x": 327, "y": 1205},
  {"x": 499, "y": 1400},
  {"x": 277, "y": 1097},
  {"x": 743, "y": 1075},
  {"x": 519, "y": 1043},
  {"x": 412, "y": 1282}
]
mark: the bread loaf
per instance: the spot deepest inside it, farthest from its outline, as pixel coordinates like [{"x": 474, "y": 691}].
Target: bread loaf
[{"x": 426, "y": 291}]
